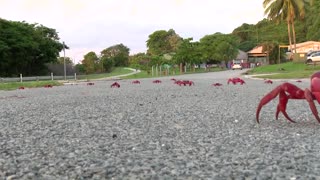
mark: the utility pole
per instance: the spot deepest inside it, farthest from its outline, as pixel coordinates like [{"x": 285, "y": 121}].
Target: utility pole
[{"x": 64, "y": 62}]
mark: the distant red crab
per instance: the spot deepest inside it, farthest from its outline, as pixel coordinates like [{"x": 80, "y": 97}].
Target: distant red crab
[
  {"x": 216, "y": 84},
  {"x": 47, "y": 86},
  {"x": 298, "y": 81},
  {"x": 268, "y": 81},
  {"x": 236, "y": 81},
  {"x": 157, "y": 81},
  {"x": 90, "y": 83},
  {"x": 288, "y": 91},
  {"x": 135, "y": 82},
  {"x": 173, "y": 79},
  {"x": 184, "y": 82},
  {"x": 21, "y": 87},
  {"x": 115, "y": 84}
]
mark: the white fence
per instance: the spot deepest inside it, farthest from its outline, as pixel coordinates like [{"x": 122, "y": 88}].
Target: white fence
[{"x": 40, "y": 78}]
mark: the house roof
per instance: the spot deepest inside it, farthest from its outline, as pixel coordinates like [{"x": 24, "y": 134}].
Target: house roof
[
  {"x": 298, "y": 45},
  {"x": 256, "y": 50}
]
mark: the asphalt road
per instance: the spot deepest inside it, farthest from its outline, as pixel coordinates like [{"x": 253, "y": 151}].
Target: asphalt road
[{"x": 156, "y": 131}]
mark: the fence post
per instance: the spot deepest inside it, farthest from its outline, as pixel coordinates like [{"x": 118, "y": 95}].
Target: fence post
[
  {"x": 157, "y": 70},
  {"x": 51, "y": 76},
  {"x": 151, "y": 70},
  {"x": 20, "y": 77},
  {"x": 160, "y": 71},
  {"x": 75, "y": 76}
]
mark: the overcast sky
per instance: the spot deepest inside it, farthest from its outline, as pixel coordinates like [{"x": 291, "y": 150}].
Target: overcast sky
[{"x": 93, "y": 25}]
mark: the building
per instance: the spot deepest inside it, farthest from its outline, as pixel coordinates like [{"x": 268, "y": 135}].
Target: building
[
  {"x": 306, "y": 47},
  {"x": 258, "y": 56}
]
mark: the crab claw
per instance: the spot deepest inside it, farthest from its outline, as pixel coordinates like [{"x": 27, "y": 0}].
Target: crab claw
[
  {"x": 294, "y": 93},
  {"x": 313, "y": 108}
]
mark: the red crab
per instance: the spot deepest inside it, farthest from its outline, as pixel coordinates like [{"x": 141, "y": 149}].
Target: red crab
[
  {"x": 288, "y": 91},
  {"x": 136, "y": 82},
  {"x": 157, "y": 81},
  {"x": 184, "y": 82},
  {"x": 217, "y": 84},
  {"x": 299, "y": 81},
  {"x": 268, "y": 81},
  {"x": 173, "y": 79},
  {"x": 21, "y": 87},
  {"x": 236, "y": 80},
  {"x": 115, "y": 84},
  {"x": 90, "y": 83},
  {"x": 47, "y": 86}
]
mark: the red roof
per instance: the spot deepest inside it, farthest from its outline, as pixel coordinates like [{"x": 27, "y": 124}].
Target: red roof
[{"x": 256, "y": 50}]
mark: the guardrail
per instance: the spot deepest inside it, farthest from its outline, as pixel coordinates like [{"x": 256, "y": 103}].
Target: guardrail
[{"x": 38, "y": 78}]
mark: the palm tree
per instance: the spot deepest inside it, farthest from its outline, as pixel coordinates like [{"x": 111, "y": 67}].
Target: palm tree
[{"x": 287, "y": 10}]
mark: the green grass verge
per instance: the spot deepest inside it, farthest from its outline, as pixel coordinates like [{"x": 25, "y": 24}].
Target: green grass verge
[
  {"x": 31, "y": 84},
  {"x": 289, "y": 70},
  {"x": 116, "y": 71}
]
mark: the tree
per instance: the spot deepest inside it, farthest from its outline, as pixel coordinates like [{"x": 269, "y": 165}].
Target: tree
[
  {"x": 286, "y": 10},
  {"x": 90, "y": 62},
  {"x": 80, "y": 68},
  {"x": 26, "y": 48},
  {"x": 272, "y": 50},
  {"x": 107, "y": 63},
  {"x": 68, "y": 60},
  {"x": 313, "y": 21},
  {"x": 188, "y": 52},
  {"x": 119, "y": 53},
  {"x": 140, "y": 61},
  {"x": 219, "y": 47},
  {"x": 162, "y": 42}
]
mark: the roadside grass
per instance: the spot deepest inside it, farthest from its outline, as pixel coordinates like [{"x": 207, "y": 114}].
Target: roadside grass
[
  {"x": 115, "y": 72},
  {"x": 31, "y": 84},
  {"x": 145, "y": 74},
  {"x": 289, "y": 70}
]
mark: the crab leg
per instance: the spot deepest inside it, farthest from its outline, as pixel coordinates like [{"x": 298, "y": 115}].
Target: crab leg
[
  {"x": 282, "y": 106},
  {"x": 309, "y": 98},
  {"x": 267, "y": 98},
  {"x": 294, "y": 93}
]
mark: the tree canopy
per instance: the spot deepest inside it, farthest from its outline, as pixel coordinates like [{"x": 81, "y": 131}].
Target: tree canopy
[
  {"x": 188, "y": 52},
  {"x": 119, "y": 53},
  {"x": 162, "y": 42},
  {"x": 218, "y": 47},
  {"x": 26, "y": 48},
  {"x": 90, "y": 62},
  {"x": 287, "y": 10}
]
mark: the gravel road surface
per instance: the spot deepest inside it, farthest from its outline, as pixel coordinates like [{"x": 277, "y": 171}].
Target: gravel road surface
[{"x": 156, "y": 131}]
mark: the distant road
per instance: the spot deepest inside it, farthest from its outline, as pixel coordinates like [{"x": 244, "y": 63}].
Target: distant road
[{"x": 212, "y": 75}]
